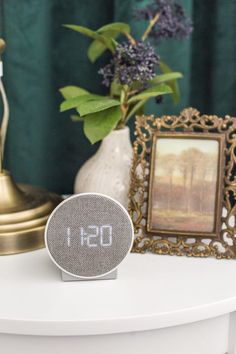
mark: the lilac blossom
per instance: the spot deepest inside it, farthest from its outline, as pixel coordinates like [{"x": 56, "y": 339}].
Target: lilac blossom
[
  {"x": 131, "y": 63},
  {"x": 172, "y": 21}
]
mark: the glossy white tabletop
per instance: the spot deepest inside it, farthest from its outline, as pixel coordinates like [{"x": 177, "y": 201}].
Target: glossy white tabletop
[{"x": 151, "y": 292}]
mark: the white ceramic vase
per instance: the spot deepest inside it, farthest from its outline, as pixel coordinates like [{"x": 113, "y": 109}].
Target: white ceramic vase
[{"x": 108, "y": 171}]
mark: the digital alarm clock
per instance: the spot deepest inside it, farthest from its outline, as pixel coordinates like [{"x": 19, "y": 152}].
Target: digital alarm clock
[{"x": 88, "y": 235}]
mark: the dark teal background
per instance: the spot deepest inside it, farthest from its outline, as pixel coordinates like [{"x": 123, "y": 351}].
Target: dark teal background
[{"x": 45, "y": 147}]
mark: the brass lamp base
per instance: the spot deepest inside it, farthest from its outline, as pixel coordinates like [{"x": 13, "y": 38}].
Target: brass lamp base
[{"x": 24, "y": 211}]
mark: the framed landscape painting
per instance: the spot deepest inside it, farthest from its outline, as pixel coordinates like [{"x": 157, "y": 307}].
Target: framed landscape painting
[
  {"x": 185, "y": 184},
  {"x": 182, "y": 198}
]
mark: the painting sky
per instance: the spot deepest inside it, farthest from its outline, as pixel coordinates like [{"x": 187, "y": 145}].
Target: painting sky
[
  {"x": 166, "y": 145},
  {"x": 176, "y": 146}
]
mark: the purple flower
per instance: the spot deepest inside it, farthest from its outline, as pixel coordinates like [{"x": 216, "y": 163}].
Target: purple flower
[
  {"x": 131, "y": 63},
  {"x": 172, "y": 22}
]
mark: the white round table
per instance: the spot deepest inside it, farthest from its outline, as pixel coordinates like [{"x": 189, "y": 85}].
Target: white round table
[{"x": 158, "y": 304}]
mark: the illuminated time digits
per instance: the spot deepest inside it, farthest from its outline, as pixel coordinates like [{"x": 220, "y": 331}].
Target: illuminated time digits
[{"x": 94, "y": 236}]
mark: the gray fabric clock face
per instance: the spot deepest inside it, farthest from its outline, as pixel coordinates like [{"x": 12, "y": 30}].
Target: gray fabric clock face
[{"x": 89, "y": 235}]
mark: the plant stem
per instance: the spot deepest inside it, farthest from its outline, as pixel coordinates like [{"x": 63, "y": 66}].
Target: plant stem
[
  {"x": 120, "y": 126},
  {"x": 131, "y": 93},
  {"x": 130, "y": 38},
  {"x": 124, "y": 105},
  {"x": 152, "y": 23},
  {"x": 124, "y": 109}
]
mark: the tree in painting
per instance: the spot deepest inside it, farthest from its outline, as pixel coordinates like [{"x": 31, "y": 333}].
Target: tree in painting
[{"x": 184, "y": 185}]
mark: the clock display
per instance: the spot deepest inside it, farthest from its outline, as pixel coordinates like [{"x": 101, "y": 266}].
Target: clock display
[{"x": 92, "y": 236}]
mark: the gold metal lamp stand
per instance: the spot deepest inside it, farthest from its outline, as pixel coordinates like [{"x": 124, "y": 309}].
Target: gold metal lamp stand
[{"x": 24, "y": 209}]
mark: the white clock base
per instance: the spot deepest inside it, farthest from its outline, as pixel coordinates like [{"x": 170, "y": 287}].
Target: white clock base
[{"x": 67, "y": 277}]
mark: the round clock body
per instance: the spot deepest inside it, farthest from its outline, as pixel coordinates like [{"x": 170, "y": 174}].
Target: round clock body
[{"x": 88, "y": 235}]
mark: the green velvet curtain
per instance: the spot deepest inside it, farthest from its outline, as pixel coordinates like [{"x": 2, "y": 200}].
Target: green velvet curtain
[{"x": 43, "y": 146}]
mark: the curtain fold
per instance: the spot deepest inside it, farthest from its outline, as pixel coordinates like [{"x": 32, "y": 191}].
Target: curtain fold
[{"x": 44, "y": 147}]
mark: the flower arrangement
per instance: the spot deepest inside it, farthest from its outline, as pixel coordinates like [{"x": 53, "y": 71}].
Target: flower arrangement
[{"x": 130, "y": 75}]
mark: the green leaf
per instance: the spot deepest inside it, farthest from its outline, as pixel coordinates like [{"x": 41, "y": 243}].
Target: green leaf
[
  {"x": 96, "y": 106},
  {"x": 115, "y": 89},
  {"x": 173, "y": 84},
  {"x": 153, "y": 91},
  {"x": 159, "y": 79},
  {"x": 118, "y": 27},
  {"x": 111, "y": 31},
  {"x": 76, "y": 101},
  {"x": 100, "y": 124},
  {"x": 72, "y": 91},
  {"x": 136, "y": 85},
  {"x": 96, "y": 48},
  {"x": 106, "y": 41},
  {"x": 83, "y": 30},
  {"x": 136, "y": 108}
]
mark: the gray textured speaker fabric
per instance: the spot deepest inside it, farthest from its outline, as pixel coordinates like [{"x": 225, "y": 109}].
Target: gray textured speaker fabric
[{"x": 80, "y": 232}]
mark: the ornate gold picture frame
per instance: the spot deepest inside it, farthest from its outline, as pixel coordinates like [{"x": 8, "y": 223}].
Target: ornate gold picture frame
[{"x": 200, "y": 227}]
